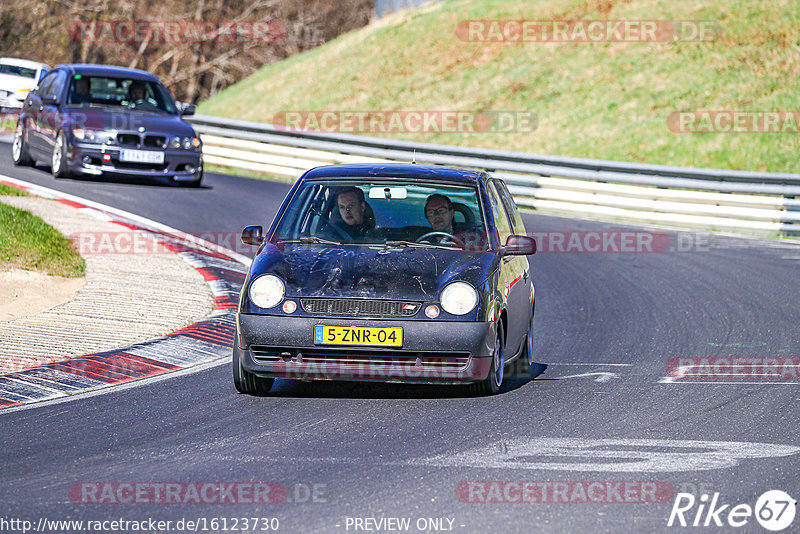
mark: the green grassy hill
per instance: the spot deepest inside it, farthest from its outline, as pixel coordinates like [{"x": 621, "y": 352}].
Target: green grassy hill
[{"x": 607, "y": 100}]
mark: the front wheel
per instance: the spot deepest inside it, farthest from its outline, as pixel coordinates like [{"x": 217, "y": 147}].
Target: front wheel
[
  {"x": 19, "y": 149},
  {"x": 58, "y": 164},
  {"x": 246, "y": 382},
  {"x": 491, "y": 385}
]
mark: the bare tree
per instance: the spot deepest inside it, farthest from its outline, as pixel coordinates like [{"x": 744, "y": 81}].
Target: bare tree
[{"x": 219, "y": 42}]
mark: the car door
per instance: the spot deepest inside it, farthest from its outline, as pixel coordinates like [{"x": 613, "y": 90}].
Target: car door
[
  {"x": 514, "y": 279},
  {"x": 518, "y": 226},
  {"x": 50, "y": 114},
  {"x": 33, "y": 109}
]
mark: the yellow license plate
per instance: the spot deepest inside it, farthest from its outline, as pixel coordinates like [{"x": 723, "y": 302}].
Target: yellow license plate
[{"x": 358, "y": 335}]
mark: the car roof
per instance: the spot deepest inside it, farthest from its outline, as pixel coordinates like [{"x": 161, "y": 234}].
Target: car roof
[
  {"x": 17, "y": 62},
  {"x": 428, "y": 173},
  {"x": 108, "y": 70}
]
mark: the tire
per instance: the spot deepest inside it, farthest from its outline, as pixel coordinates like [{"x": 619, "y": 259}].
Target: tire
[
  {"x": 19, "y": 149},
  {"x": 248, "y": 383},
  {"x": 58, "y": 162},
  {"x": 526, "y": 358},
  {"x": 491, "y": 384},
  {"x": 194, "y": 184}
]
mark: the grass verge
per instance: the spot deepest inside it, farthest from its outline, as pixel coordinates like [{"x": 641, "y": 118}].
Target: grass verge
[
  {"x": 27, "y": 242},
  {"x": 607, "y": 100}
]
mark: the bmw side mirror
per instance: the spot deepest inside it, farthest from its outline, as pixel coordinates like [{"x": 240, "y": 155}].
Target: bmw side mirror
[
  {"x": 253, "y": 235},
  {"x": 519, "y": 245},
  {"x": 188, "y": 109}
]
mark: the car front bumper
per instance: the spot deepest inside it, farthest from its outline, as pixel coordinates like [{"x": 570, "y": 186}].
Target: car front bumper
[
  {"x": 178, "y": 166},
  {"x": 437, "y": 352}
]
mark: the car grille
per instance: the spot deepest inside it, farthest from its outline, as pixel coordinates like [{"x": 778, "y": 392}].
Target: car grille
[
  {"x": 443, "y": 361},
  {"x": 128, "y": 139},
  {"x": 360, "y": 307},
  {"x": 135, "y": 140}
]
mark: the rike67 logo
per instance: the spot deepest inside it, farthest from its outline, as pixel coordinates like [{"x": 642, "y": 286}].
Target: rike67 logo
[{"x": 774, "y": 510}]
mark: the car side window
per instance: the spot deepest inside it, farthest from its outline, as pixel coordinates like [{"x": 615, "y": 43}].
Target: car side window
[
  {"x": 516, "y": 221},
  {"x": 47, "y": 84},
  {"x": 501, "y": 219},
  {"x": 58, "y": 83}
]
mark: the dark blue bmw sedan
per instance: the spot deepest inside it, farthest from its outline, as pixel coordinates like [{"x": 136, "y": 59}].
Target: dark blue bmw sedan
[
  {"x": 104, "y": 120},
  {"x": 387, "y": 272}
]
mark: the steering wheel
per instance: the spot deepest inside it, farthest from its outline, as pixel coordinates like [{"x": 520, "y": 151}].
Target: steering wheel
[
  {"x": 144, "y": 104},
  {"x": 338, "y": 229},
  {"x": 449, "y": 237}
]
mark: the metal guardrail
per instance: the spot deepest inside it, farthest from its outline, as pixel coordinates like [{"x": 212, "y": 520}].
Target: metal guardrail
[{"x": 711, "y": 198}]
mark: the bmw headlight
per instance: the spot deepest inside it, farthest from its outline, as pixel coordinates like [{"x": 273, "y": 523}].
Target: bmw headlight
[
  {"x": 175, "y": 142},
  {"x": 459, "y": 298},
  {"x": 267, "y": 291}
]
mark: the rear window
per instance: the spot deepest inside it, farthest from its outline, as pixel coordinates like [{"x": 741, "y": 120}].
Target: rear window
[{"x": 14, "y": 70}]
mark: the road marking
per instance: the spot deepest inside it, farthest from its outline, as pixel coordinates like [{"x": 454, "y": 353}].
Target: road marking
[
  {"x": 601, "y": 376},
  {"x": 105, "y": 390},
  {"x": 610, "y": 455},
  {"x": 670, "y": 380}
]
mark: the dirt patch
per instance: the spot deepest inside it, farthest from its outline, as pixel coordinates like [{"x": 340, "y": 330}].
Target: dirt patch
[{"x": 25, "y": 293}]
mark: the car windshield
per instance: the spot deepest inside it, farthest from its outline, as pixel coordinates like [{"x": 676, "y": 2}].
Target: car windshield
[
  {"x": 141, "y": 95},
  {"x": 389, "y": 212},
  {"x": 15, "y": 70}
]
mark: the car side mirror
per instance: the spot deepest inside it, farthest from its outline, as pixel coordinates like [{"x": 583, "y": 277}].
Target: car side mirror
[
  {"x": 519, "y": 245},
  {"x": 188, "y": 109},
  {"x": 253, "y": 235},
  {"x": 49, "y": 100}
]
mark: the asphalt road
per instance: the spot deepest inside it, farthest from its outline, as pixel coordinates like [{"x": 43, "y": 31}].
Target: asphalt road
[{"x": 607, "y": 327}]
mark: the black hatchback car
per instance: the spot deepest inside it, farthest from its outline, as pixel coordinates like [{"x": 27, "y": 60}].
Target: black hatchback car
[
  {"x": 105, "y": 120},
  {"x": 393, "y": 273}
]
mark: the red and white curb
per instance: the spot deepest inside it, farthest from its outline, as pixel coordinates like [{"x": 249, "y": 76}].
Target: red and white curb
[{"x": 205, "y": 341}]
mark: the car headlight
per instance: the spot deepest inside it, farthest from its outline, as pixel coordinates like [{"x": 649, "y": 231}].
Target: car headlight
[
  {"x": 187, "y": 143},
  {"x": 175, "y": 142},
  {"x": 267, "y": 291},
  {"x": 459, "y": 298},
  {"x": 86, "y": 134}
]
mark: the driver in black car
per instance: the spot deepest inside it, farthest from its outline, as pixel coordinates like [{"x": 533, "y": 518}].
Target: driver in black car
[
  {"x": 439, "y": 211},
  {"x": 138, "y": 96}
]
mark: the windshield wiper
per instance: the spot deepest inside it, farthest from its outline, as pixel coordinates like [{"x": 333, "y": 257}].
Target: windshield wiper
[
  {"x": 414, "y": 244},
  {"x": 310, "y": 240}
]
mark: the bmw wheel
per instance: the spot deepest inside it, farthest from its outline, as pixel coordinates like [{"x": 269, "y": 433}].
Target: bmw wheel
[
  {"x": 58, "y": 163},
  {"x": 19, "y": 149}
]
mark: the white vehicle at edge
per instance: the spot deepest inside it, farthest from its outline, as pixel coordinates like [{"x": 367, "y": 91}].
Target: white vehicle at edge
[{"x": 18, "y": 77}]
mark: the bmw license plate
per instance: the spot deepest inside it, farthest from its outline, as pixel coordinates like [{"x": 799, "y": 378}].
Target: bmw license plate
[
  {"x": 358, "y": 335},
  {"x": 142, "y": 156}
]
